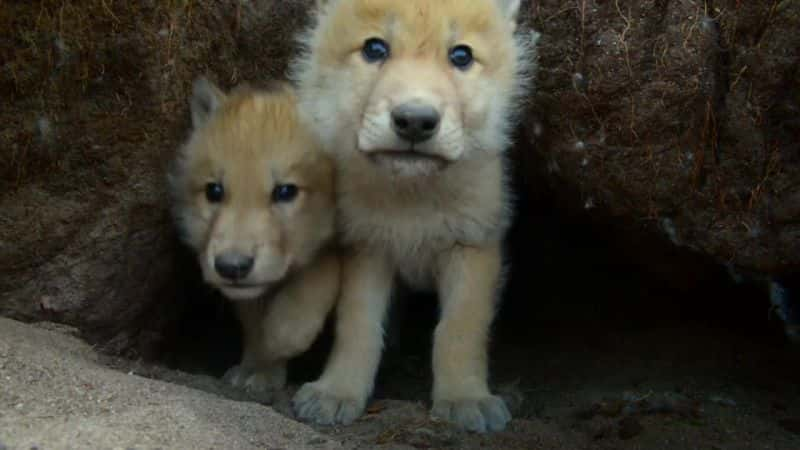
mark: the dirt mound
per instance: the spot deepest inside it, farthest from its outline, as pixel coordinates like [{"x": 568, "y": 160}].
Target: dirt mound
[
  {"x": 679, "y": 117},
  {"x": 95, "y": 105},
  {"x": 57, "y": 393}
]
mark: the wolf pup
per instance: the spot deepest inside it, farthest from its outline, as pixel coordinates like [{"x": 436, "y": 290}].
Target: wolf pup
[
  {"x": 415, "y": 100},
  {"x": 253, "y": 196}
]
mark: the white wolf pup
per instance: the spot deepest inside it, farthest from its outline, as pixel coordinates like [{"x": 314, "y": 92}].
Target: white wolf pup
[
  {"x": 415, "y": 100},
  {"x": 254, "y": 198}
]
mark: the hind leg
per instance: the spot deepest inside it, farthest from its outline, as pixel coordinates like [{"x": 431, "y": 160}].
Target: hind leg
[
  {"x": 468, "y": 285},
  {"x": 286, "y": 326},
  {"x": 297, "y": 314},
  {"x": 255, "y": 372}
]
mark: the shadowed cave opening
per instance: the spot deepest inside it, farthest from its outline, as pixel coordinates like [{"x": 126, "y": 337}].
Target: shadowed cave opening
[{"x": 588, "y": 308}]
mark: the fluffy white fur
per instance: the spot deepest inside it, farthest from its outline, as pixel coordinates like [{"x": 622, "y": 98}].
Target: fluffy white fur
[
  {"x": 433, "y": 213},
  {"x": 249, "y": 142}
]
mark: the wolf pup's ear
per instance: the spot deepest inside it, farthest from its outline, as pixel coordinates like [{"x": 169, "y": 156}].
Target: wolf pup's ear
[
  {"x": 206, "y": 98},
  {"x": 510, "y": 9}
]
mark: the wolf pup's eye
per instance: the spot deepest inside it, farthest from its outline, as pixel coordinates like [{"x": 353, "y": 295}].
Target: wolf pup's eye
[
  {"x": 375, "y": 50},
  {"x": 284, "y": 193},
  {"x": 214, "y": 192},
  {"x": 461, "y": 57}
]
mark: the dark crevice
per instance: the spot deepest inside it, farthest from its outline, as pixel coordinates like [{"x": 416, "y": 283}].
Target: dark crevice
[{"x": 573, "y": 277}]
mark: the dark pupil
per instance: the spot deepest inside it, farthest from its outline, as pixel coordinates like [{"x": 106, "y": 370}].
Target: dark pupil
[
  {"x": 284, "y": 193},
  {"x": 375, "y": 50},
  {"x": 214, "y": 192},
  {"x": 461, "y": 56}
]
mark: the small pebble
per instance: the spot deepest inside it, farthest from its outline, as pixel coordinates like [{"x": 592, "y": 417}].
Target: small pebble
[
  {"x": 629, "y": 428},
  {"x": 724, "y": 401},
  {"x": 44, "y": 131}
]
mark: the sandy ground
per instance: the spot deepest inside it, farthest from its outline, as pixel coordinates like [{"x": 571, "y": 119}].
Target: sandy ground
[
  {"x": 55, "y": 393},
  {"x": 615, "y": 361},
  {"x": 707, "y": 388}
]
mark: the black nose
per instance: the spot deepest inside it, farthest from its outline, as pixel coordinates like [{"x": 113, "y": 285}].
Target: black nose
[
  {"x": 415, "y": 122},
  {"x": 233, "y": 266}
]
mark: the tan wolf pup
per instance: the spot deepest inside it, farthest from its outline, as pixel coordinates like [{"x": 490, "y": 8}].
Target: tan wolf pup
[
  {"x": 253, "y": 196},
  {"x": 415, "y": 100}
]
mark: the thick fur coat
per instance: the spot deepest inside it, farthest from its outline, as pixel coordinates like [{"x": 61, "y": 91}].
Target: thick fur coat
[
  {"x": 415, "y": 101},
  {"x": 253, "y": 196}
]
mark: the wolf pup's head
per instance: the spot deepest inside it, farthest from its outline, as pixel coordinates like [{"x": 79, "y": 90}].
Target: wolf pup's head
[
  {"x": 414, "y": 85},
  {"x": 253, "y": 194}
]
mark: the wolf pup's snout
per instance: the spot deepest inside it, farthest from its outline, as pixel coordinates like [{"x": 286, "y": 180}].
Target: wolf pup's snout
[
  {"x": 233, "y": 266},
  {"x": 415, "y": 121}
]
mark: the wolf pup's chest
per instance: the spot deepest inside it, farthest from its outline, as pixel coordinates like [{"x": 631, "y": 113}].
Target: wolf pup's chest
[{"x": 414, "y": 233}]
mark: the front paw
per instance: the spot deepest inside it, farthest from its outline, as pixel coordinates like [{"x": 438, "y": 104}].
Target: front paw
[
  {"x": 488, "y": 413},
  {"x": 257, "y": 379},
  {"x": 325, "y": 406}
]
